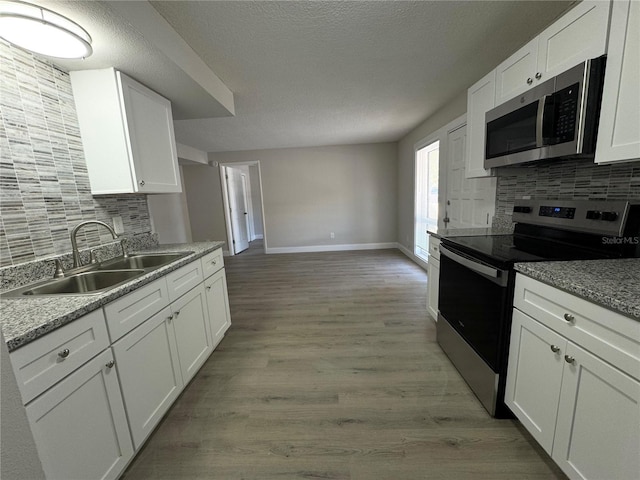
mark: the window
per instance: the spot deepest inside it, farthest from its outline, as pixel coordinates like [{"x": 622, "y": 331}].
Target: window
[{"x": 426, "y": 201}]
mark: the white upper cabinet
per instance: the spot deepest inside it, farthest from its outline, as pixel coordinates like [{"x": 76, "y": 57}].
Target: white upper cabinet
[
  {"x": 619, "y": 130},
  {"x": 578, "y": 35},
  {"x": 480, "y": 99},
  {"x": 516, "y": 74},
  {"x": 127, "y": 134}
]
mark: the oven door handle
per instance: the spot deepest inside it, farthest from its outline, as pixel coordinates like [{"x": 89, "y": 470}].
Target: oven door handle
[{"x": 496, "y": 275}]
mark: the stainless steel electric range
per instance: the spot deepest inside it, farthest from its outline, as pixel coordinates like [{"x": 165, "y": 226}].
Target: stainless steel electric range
[{"x": 477, "y": 279}]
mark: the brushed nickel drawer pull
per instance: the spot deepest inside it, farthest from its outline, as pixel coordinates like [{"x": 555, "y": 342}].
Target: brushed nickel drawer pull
[
  {"x": 110, "y": 364},
  {"x": 555, "y": 348},
  {"x": 568, "y": 317},
  {"x": 569, "y": 359},
  {"x": 63, "y": 353}
]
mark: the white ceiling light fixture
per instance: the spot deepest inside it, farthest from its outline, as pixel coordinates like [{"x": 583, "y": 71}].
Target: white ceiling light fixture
[{"x": 42, "y": 31}]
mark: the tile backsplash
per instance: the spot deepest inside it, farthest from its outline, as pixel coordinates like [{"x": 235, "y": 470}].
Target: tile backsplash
[
  {"x": 566, "y": 179},
  {"x": 44, "y": 184}
]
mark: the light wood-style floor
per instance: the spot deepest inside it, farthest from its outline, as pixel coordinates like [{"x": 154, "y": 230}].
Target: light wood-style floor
[{"x": 331, "y": 371}]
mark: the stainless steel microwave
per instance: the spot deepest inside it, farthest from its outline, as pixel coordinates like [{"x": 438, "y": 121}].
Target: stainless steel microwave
[{"x": 558, "y": 118}]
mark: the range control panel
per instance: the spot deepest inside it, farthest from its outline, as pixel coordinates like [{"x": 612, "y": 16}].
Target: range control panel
[{"x": 592, "y": 216}]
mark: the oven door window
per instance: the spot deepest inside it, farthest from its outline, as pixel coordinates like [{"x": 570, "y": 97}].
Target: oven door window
[
  {"x": 513, "y": 132},
  {"x": 474, "y": 306}
]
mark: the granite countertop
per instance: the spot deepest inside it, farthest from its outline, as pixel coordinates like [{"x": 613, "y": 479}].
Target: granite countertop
[
  {"x": 469, "y": 232},
  {"x": 26, "y": 318},
  {"x": 614, "y": 284}
]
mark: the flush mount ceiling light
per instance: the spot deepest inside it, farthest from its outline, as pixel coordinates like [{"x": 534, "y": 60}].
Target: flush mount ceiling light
[{"x": 42, "y": 31}]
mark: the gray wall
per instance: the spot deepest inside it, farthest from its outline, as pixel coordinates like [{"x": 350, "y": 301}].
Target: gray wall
[
  {"x": 350, "y": 190},
  {"x": 406, "y": 165},
  {"x": 170, "y": 215},
  {"x": 19, "y": 458},
  {"x": 44, "y": 184},
  {"x": 256, "y": 201}
]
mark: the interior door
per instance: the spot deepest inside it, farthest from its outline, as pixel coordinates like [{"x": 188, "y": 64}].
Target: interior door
[
  {"x": 247, "y": 207},
  {"x": 470, "y": 201},
  {"x": 237, "y": 209}
]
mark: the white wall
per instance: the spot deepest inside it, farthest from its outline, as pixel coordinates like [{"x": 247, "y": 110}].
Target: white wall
[
  {"x": 406, "y": 165},
  {"x": 350, "y": 190},
  {"x": 170, "y": 215}
]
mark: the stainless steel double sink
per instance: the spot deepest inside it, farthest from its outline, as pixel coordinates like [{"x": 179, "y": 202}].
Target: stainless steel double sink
[{"x": 99, "y": 277}]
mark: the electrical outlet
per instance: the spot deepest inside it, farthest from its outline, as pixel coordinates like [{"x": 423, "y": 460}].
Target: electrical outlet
[
  {"x": 332, "y": 235},
  {"x": 118, "y": 226}
]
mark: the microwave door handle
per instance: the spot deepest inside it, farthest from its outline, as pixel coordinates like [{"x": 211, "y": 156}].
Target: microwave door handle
[{"x": 540, "y": 121}]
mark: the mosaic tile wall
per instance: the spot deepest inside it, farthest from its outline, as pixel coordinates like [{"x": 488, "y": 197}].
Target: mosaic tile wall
[
  {"x": 44, "y": 185},
  {"x": 566, "y": 179}
]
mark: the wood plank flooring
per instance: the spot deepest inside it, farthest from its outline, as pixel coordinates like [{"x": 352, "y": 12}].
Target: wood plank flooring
[{"x": 330, "y": 370}]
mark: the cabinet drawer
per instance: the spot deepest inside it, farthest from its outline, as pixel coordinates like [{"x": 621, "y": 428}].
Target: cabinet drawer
[
  {"x": 212, "y": 262},
  {"x": 126, "y": 313},
  {"x": 46, "y": 361},
  {"x": 184, "y": 279},
  {"x": 434, "y": 247},
  {"x": 605, "y": 333}
]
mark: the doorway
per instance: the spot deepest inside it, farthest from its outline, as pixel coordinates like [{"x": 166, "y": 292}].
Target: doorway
[
  {"x": 243, "y": 206},
  {"x": 426, "y": 196}
]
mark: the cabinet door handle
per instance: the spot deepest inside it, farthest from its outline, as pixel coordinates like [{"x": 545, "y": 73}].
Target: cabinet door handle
[
  {"x": 555, "y": 348},
  {"x": 176, "y": 314},
  {"x": 142, "y": 183},
  {"x": 569, "y": 359},
  {"x": 568, "y": 317},
  {"x": 110, "y": 364},
  {"x": 169, "y": 318},
  {"x": 63, "y": 353},
  {"x": 213, "y": 262},
  {"x": 208, "y": 288},
  {"x": 538, "y": 76},
  {"x": 529, "y": 81}
]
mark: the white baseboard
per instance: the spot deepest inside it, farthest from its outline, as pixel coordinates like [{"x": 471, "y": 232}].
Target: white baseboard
[
  {"x": 412, "y": 256},
  {"x": 332, "y": 248}
]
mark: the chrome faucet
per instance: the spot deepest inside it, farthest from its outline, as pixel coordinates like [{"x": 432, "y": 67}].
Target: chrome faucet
[{"x": 77, "y": 262}]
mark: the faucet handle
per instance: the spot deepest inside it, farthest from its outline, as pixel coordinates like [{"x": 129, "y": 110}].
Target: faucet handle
[
  {"x": 59, "y": 270},
  {"x": 92, "y": 256},
  {"x": 123, "y": 245}
]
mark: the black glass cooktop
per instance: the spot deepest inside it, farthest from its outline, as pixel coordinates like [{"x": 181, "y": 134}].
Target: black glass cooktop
[{"x": 505, "y": 250}]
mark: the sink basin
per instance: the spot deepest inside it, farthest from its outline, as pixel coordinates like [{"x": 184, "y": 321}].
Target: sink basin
[
  {"x": 143, "y": 261},
  {"x": 81, "y": 283}
]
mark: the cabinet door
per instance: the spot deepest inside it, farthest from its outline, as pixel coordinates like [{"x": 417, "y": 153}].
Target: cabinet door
[
  {"x": 577, "y": 36},
  {"x": 618, "y": 134},
  {"x": 79, "y": 425},
  {"x": 149, "y": 371},
  {"x": 598, "y": 420},
  {"x": 149, "y": 125},
  {"x": 480, "y": 99},
  {"x": 534, "y": 376},
  {"x": 433, "y": 286},
  {"x": 517, "y": 73},
  {"x": 192, "y": 332},
  {"x": 218, "y": 305}
]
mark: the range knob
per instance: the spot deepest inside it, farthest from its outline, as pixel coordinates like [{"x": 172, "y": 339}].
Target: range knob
[
  {"x": 609, "y": 216},
  {"x": 593, "y": 215}
]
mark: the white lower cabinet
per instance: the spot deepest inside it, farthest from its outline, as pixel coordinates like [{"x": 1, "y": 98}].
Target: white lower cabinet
[
  {"x": 580, "y": 402},
  {"x": 79, "y": 425},
  {"x": 433, "y": 276},
  {"x": 218, "y": 304},
  {"x": 149, "y": 370},
  {"x": 107, "y": 378},
  {"x": 598, "y": 427},
  {"x": 191, "y": 328}
]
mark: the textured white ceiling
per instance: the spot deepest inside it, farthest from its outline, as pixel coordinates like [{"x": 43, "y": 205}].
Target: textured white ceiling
[{"x": 328, "y": 73}]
